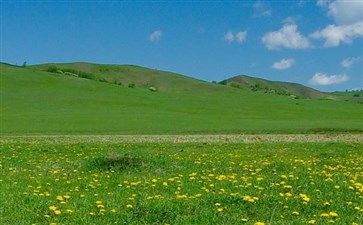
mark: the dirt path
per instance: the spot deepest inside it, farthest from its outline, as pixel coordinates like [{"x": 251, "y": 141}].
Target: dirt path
[{"x": 187, "y": 138}]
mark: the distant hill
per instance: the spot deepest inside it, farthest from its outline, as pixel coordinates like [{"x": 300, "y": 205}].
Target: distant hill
[
  {"x": 83, "y": 98},
  {"x": 129, "y": 76},
  {"x": 275, "y": 87},
  {"x": 354, "y": 95}
]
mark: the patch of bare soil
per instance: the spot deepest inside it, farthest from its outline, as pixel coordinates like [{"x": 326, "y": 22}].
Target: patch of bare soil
[{"x": 229, "y": 138}]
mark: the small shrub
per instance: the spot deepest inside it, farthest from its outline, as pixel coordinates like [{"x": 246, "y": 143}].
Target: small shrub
[
  {"x": 235, "y": 85},
  {"x": 224, "y": 82},
  {"x": 116, "y": 161},
  {"x": 117, "y": 82},
  {"x": 102, "y": 80},
  {"x": 52, "y": 69},
  {"x": 132, "y": 85}
]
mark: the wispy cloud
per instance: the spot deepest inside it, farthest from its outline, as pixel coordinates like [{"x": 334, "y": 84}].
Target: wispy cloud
[
  {"x": 348, "y": 17},
  {"x": 325, "y": 79},
  {"x": 261, "y": 10},
  {"x": 287, "y": 37},
  {"x": 240, "y": 36},
  {"x": 283, "y": 64},
  {"x": 334, "y": 35},
  {"x": 229, "y": 37},
  {"x": 323, "y": 3},
  {"x": 348, "y": 62},
  {"x": 155, "y": 36},
  {"x": 343, "y": 11}
]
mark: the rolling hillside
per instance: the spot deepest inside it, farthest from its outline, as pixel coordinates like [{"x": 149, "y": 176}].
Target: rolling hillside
[
  {"x": 62, "y": 101},
  {"x": 128, "y": 75},
  {"x": 275, "y": 87}
]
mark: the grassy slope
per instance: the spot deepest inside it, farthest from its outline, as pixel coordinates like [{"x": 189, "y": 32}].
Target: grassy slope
[
  {"x": 262, "y": 85},
  {"x": 41, "y": 102},
  {"x": 129, "y": 74}
]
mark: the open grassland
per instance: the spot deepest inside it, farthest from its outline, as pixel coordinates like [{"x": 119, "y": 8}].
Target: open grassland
[
  {"x": 100, "y": 182},
  {"x": 39, "y": 102}
]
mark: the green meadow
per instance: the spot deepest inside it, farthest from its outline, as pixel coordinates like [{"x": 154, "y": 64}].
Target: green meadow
[
  {"x": 110, "y": 99},
  {"x": 108, "y": 144},
  {"x": 180, "y": 183}
]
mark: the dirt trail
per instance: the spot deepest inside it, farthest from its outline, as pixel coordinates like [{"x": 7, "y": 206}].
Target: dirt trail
[{"x": 230, "y": 138}]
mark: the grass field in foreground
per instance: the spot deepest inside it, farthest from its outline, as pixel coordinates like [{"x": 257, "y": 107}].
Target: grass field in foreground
[{"x": 185, "y": 183}]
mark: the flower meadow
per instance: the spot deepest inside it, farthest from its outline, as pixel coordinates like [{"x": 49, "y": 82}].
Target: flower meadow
[{"x": 181, "y": 183}]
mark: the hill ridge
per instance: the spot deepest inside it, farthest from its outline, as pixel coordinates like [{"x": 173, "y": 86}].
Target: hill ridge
[{"x": 291, "y": 89}]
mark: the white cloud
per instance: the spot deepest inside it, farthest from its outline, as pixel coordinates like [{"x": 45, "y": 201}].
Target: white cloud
[
  {"x": 240, "y": 37},
  {"x": 155, "y": 36},
  {"x": 346, "y": 12},
  {"x": 323, "y": 3},
  {"x": 325, "y": 79},
  {"x": 229, "y": 36},
  {"x": 283, "y": 64},
  {"x": 335, "y": 34},
  {"x": 348, "y": 62},
  {"x": 261, "y": 10},
  {"x": 289, "y": 20},
  {"x": 287, "y": 37}
]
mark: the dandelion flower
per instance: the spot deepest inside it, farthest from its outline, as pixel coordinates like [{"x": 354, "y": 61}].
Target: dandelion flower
[
  {"x": 129, "y": 206},
  {"x": 259, "y": 223},
  {"x": 53, "y": 208},
  {"x": 69, "y": 211},
  {"x": 312, "y": 222}
]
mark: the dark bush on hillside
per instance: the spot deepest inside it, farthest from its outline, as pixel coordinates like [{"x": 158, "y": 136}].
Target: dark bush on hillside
[
  {"x": 235, "y": 85},
  {"x": 224, "y": 82},
  {"x": 117, "y": 82},
  {"x": 80, "y": 74},
  {"x": 132, "y": 85},
  {"x": 102, "y": 80},
  {"x": 52, "y": 69}
]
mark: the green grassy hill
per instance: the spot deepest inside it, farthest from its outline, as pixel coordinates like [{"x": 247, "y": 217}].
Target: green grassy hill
[
  {"x": 128, "y": 75},
  {"x": 275, "y": 87},
  {"x": 63, "y": 101}
]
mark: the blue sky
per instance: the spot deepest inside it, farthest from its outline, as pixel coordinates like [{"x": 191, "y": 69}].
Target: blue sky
[{"x": 315, "y": 43}]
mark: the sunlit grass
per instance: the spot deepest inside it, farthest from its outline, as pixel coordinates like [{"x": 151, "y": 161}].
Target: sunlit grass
[{"x": 164, "y": 183}]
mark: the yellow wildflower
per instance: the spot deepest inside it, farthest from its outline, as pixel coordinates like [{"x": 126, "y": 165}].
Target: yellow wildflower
[
  {"x": 53, "y": 208},
  {"x": 259, "y": 223}
]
